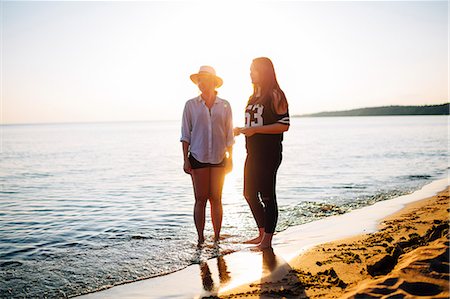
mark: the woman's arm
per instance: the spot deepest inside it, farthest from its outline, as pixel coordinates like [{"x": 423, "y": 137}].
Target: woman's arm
[
  {"x": 275, "y": 128},
  {"x": 280, "y": 107}
]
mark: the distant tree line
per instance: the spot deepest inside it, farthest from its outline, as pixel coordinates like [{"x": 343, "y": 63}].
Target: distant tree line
[{"x": 442, "y": 109}]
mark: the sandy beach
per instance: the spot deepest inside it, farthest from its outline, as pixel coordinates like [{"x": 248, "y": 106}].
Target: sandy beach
[
  {"x": 393, "y": 249},
  {"x": 408, "y": 257}
]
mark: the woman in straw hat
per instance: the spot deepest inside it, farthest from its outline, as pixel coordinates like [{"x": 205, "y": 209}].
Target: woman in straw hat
[
  {"x": 207, "y": 140},
  {"x": 266, "y": 118}
]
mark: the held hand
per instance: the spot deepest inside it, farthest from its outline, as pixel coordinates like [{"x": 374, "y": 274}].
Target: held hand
[
  {"x": 237, "y": 131},
  {"x": 187, "y": 166}
]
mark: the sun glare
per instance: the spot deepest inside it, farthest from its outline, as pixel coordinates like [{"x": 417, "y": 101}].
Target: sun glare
[
  {"x": 232, "y": 188},
  {"x": 226, "y": 38}
]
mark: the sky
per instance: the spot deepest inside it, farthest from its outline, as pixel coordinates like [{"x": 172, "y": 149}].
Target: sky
[{"x": 83, "y": 61}]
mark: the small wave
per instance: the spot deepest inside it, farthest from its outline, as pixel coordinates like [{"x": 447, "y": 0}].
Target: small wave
[
  {"x": 10, "y": 264},
  {"x": 358, "y": 187},
  {"x": 23, "y": 251},
  {"x": 419, "y": 177},
  {"x": 138, "y": 237},
  {"x": 9, "y": 192},
  {"x": 309, "y": 211},
  {"x": 36, "y": 175},
  {"x": 70, "y": 245}
]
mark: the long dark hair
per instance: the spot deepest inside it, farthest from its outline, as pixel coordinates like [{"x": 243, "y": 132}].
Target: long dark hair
[{"x": 268, "y": 83}]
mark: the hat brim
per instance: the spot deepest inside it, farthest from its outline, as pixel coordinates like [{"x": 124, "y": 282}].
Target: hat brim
[{"x": 195, "y": 77}]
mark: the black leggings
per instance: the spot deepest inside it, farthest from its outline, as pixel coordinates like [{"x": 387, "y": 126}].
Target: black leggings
[{"x": 259, "y": 189}]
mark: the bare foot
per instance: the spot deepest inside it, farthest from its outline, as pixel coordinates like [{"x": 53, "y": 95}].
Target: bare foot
[
  {"x": 200, "y": 243},
  {"x": 264, "y": 246},
  {"x": 256, "y": 240},
  {"x": 255, "y": 248},
  {"x": 266, "y": 241},
  {"x": 260, "y": 247}
]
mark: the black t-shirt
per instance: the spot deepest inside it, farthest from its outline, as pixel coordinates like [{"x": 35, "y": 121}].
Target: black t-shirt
[{"x": 259, "y": 114}]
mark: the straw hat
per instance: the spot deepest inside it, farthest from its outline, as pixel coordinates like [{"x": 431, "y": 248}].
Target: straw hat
[{"x": 206, "y": 70}]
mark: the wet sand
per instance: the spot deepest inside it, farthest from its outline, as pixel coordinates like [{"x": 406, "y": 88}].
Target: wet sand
[
  {"x": 408, "y": 257},
  {"x": 360, "y": 254}
]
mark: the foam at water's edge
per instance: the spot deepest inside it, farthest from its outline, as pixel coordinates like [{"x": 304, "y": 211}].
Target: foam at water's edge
[{"x": 361, "y": 221}]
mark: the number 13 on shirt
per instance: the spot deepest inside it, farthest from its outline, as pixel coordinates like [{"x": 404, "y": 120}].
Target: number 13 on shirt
[{"x": 253, "y": 115}]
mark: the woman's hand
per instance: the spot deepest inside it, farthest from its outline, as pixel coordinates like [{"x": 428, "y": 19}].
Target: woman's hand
[
  {"x": 187, "y": 166},
  {"x": 237, "y": 131}
]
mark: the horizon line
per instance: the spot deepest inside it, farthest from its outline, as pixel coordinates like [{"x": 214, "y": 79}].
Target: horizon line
[{"x": 162, "y": 120}]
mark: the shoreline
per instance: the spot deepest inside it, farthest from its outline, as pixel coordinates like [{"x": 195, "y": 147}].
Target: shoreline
[
  {"x": 256, "y": 273},
  {"x": 407, "y": 257}
]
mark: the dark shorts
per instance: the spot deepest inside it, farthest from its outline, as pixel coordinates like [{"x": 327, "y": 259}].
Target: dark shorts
[
  {"x": 195, "y": 164},
  {"x": 260, "y": 175}
]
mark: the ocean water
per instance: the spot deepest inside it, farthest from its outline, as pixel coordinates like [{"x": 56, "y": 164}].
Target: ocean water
[{"x": 87, "y": 206}]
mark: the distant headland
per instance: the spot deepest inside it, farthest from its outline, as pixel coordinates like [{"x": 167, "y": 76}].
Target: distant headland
[{"x": 442, "y": 109}]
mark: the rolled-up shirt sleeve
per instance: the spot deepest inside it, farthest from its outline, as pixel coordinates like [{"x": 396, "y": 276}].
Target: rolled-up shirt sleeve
[{"x": 186, "y": 125}]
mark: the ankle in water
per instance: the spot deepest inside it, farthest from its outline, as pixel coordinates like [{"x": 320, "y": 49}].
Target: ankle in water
[{"x": 256, "y": 240}]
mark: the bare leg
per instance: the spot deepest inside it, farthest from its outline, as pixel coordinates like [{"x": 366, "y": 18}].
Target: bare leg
[
  {"x": 200, "y": 180},
  {"x": 266, "y": 241},
  {"x": 217, "y": 176},
  {"x": 258, "y": 214}
]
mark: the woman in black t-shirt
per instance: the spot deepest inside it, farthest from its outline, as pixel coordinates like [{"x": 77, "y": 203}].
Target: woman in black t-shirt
[{"x": 266, "y": 118}]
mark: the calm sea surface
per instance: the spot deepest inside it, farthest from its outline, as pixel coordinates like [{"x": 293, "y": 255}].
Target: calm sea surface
[{"x": 87, "y": 206}]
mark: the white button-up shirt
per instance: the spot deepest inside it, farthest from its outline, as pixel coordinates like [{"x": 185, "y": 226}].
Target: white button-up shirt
[{"x": 208, "y": 131}]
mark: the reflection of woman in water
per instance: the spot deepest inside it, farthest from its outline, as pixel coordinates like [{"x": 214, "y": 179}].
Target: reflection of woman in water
[
  {"x": 266, "y": 118},
  {"x": 269, "y": 261},
  {"x": 207, "y": 138},
  {"x": 208, "y": 282},
  {"x": 224, "y": 275}
]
